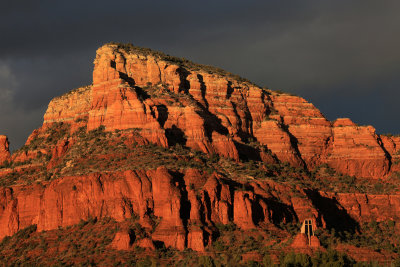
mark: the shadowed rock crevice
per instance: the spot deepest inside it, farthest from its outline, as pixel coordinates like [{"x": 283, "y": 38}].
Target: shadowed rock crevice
[
  {"x": 185, "y": 210},
  {"x": 185, "y": 203},
  {"x": 203, "y": 89},
  {"x": 132, "y": 237},
  {"x": 335, "y": 216},
  {"x": 229, "y": 90},
  {"x": 258, "y": 211},
  {"x": 211, "y": 123},
  {"x": 142, "y": 94},
  {"x": 207, "y": 202},
  {"x": 280, "y": 212},
  {"x": 175, "y": 136},
  {"x": 162, "y": 114},
  {"x": 248, "y": 119},
  {"x": 184, "y": 85},
  {"x": 387, "y": 154},
  {"x": 242, "y": 135},
  {"x": 267, "y": 209},
  {"x": 246, "y": 152}
]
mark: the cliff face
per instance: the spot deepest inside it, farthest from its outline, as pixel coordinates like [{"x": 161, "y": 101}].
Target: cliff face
[
  {"x": 363, "y": 156},
  {"x": 129, "y": 146},
  {"x": 4, "y": 149},
  {"x": 216, "y": 113},
  {"x": 186, "y": 215}
]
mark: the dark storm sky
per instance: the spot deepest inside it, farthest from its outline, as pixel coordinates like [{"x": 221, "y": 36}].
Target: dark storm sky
[{"x": 343, "y": 56}]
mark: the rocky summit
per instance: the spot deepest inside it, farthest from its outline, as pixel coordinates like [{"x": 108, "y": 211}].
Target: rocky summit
[{"x": 165, "y": 161}]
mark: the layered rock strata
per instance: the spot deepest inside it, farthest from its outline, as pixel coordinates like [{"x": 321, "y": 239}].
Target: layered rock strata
[
  {"x": 184, "y": 218},
  {"x": 175, "y": 102},
  {"x": 4, "y": 150}
]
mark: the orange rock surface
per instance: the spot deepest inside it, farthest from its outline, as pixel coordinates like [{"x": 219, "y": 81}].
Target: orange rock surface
[
  {"x": 122, "y": 241},
  {"x": 4, "y": 149},
  {"x": 216, "y": 113},
  {"x": 141, "y": 98}
]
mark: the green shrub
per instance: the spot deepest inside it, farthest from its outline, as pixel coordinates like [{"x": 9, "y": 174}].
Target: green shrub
[
  {"x": 206, "y": 261},
  {"x": 26, "y": 232},
  {"x": 296, "y": 260}
]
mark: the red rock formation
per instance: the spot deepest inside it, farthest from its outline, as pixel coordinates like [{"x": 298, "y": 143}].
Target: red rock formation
[
  {"x": 364, "y": 207},
  {"x": 196, "y": 238},
  {"x": 122, "y": 241},
  {"x": 146, "y": 243},
  {"x": 217, "y": 200},
  {"x": 65, "y": 202},
  {"x": 167, "y": 206},
  {"x": 116, "y": 105},
  {"x": 154, "y": 99},
  {"x": 357, "y": 150},
  {"x": 213, "y": 110},
  {"x": 300, "y": 241},
  {"x": 272, "y": 134},
  {"x": 119, "y": 195},
  {"x": 392, "y": 146},
  {"x": 242, "y": 210},
  {"x": 4, "y": 149},
  {"x": 314, "y": 242},
  {"x": 309, "y": 128},
  {"x": 9, "y": 216},
  {"x": 73, "y": 107},
  {"x": 58, "y": 151}
]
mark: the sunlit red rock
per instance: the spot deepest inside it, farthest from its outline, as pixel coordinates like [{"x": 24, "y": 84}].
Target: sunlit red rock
[
  {"x": 242, "y": 209},
  {"x": 156, "y": 100},
  {"x": 357, "y": 150},
  {"x": 122, "y": 241},
  {"x": 4, "y": 149},
  {"x": 224, "y": 110},
  {"x": 167, "y": 206}
]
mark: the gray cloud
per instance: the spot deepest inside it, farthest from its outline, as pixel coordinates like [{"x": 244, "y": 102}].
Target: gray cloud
[
  {"x": 7, "y": 84},
  {"x": 341, "y": 55},
  {"x": 14, "y": 120}
]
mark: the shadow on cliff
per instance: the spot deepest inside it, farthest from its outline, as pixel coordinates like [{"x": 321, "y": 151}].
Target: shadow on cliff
[
  {"x": 203, "y": 89},
  {"x": 179, "y": 181},
  {"x": 175, "y": 136},
  {"x": 142, "y": 95},
  {"x": 247, "y": 152},
  {"x": 162, "y": 114},
  {"x": 335, "y": 216},
  {"x": 185, "y": 84},
  {"x": 280, "y": 212},
  {"x": 229, "y": 90}
]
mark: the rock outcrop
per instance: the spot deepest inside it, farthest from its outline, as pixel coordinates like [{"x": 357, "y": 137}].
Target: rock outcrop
[
  {"x": 174, "y": 102},
  {"x": 183, "y": 217},
  {"x": 142, "y": 100},
  {"x": 4, "y": 149},
  {"x": 357, "y": 151}
]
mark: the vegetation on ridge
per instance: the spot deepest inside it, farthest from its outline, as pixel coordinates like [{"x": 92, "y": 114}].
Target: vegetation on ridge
[
  {"x": 100, "y": 151},
  {"x": 88, "y": 244}
]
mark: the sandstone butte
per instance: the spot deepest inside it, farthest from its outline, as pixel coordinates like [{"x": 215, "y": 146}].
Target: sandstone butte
[{"x": 140, "y": 98}]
